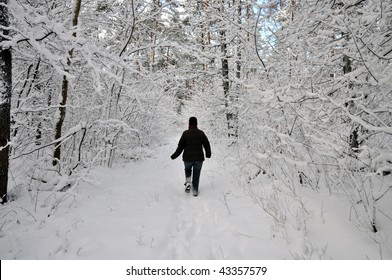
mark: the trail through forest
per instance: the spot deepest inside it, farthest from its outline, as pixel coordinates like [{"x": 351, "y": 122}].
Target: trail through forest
[
  {"x": 140, "y": 211},
  {"x": 302, "y": 89}
]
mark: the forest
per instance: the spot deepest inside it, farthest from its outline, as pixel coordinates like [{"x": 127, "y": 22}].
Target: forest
[{"x": 299, "y": 90}]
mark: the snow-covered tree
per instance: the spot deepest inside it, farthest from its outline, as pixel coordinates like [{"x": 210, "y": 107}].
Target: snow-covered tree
[
  {"x": 323, "y": 115},
  {"x": 111, "y": 101}
]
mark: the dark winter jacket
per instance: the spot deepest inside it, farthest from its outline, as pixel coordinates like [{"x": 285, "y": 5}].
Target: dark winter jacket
[{"x": 192, "y": 143}]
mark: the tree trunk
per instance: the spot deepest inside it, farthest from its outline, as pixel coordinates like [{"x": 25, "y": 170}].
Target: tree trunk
[
  {"x": 354, "y": 134},
  {"x": 225, "y": 81},
  {"x": 239, "y": 55},
  {"x": 64, "y": 91},
  {"x": 225, "y": 73},
  {"x": 292, "y": 8},
  {"x": 153, "y": 36},
  {"x": 5, "y": 101}
]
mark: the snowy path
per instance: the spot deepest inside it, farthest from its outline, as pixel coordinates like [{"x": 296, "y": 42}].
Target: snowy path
[{"x": 140, "y": 211}]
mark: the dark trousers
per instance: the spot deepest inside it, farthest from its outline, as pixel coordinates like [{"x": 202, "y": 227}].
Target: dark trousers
[{"x": 194, "y": 166}]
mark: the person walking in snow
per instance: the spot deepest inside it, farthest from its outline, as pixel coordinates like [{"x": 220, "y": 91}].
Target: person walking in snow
[{"x": 192, "y": 143}]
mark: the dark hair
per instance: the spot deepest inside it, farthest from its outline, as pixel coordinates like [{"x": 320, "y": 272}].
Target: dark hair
[{"x": 193, "y": 121}]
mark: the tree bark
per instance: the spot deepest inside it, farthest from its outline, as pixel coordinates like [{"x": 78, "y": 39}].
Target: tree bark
[
  {"x": 354, "y": 134},
  {"x": 225, "y": 79},
  {"x": 64, "y": 91},
  {"x": 5, "y": 101}
]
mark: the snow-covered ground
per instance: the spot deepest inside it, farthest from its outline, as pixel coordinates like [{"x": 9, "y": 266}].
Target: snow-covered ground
[{"x": 140, "y": 211}]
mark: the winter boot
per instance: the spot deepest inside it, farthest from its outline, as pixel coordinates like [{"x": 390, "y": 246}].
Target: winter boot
[{"x": 188, "y": 184}]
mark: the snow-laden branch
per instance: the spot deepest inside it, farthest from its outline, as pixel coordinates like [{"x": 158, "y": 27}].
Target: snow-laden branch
[
  {"x": 7, "y": 145},
  {"x": 360, "y": 53},
  {"x": 367, "y": 125},
  {"x": 382, "y": 195},
  {"x": 72, "y": 131},
  {"x": 132, "y": 29}
]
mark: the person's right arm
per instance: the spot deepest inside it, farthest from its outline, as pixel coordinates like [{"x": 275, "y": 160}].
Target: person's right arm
[{"x": 180, "y": 147}]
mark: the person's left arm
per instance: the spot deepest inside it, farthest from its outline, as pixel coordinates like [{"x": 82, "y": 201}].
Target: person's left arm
[{"x": 206, "y": 145}]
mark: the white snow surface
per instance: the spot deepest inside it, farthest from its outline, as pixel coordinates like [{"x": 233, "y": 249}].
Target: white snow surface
[{"x": 140, "y": 211}]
